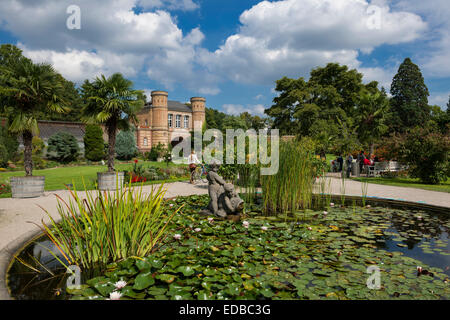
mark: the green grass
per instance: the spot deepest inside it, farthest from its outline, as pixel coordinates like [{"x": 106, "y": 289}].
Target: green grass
[
  {"x": 56, "y": 178},
  {"x": 408, "y": 182}
]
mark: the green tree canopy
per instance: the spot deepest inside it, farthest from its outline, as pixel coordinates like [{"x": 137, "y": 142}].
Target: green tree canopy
[
  {"x": 63, "y": 147},
  {"x": 26, "y": 90},
  {"x": 112, "y": 102},
  {"x": 94, "y": 145},
  {"x": 409, "y": 97},
  {"x": 126, "y": 147},
  {"x": 333, "y": 106}
]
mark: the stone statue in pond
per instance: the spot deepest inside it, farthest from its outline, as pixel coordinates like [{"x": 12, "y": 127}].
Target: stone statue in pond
[{"x": 225, "y": 200}]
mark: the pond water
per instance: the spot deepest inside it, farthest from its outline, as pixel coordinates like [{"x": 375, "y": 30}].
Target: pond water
[{"x": 372, "y": 233}]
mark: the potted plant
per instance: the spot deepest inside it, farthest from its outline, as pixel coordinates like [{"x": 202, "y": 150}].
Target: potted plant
[
  {"x": 26, "y": 91},
  {"x": 112, "y": 103}
]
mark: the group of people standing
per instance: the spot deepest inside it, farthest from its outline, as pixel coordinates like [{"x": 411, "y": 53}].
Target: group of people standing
[{"x": 361, "y": 160}]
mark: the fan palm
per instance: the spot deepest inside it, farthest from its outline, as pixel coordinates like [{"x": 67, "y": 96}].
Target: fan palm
[
  {"x": 113, "y": 103},
  {"x": 27, "y": 90},
  {"x": 372, "y": 111}
]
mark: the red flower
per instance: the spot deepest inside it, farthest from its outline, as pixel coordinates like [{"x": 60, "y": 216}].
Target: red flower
[{"x": 136, "y": 161}]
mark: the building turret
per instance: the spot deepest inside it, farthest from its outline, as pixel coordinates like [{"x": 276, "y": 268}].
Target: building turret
[
  {"x": 198, "y": 112},
  {"x": 160, "y": 126}
]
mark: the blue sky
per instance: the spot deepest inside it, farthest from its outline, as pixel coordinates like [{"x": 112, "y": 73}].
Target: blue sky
[{"x": 231, "y": 52}]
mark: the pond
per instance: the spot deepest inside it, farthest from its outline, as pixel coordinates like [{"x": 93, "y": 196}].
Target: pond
[{"x": 306, "y": 255}]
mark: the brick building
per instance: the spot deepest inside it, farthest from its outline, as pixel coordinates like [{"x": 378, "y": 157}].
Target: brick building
[{"x": 164, "y": 121}]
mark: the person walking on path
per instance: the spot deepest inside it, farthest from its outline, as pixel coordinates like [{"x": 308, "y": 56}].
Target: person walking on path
[
  {"x": 349, "y": 164},
  {"x": 360, "y": 159},
  {"x": 340, "y": 160},
  {"x": 192, "y": 162}
]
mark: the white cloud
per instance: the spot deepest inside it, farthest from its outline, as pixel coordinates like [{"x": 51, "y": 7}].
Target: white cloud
[
  {"x": 435, "y": 56},
  {"x": 185, "y": 5},
  {"x": 287, "y": 37},
  {"x": 237, "y": 109},
  {"x": 291, "y": 37},
  {"x": 439, "y": 99},
  {"x": 113, "y": 38},
  {"x": 383, "y": 76}
]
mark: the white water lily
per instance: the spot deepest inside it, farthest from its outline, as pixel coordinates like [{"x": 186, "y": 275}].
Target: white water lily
[
  {"x": 245, "y": 224},
  {"x": 309, "y": 228},
  {"x": 197, "y": 229},
  {"x": 210, "y": 220},
  {"x": 120, "y": 284},
  {"x": 177, "y": 236},
  {"x": 332, "y": 204},
  {"x": 264, "y": 228},
  {"x": 115, "y": 295},
  {"x": 325, "y": 213}
]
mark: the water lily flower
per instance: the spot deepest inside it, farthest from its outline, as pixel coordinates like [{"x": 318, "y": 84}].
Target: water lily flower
[
  {"x": 115, "y": 295},
  {"x": 419, "y": 217},
  {"x": 197, "y": 229},
  {"x": 120, "y": 284},
  {"x": 171, "y": 205},
  {"x": 245, "y": 224},
  {"x": 331, "y": 204},
  {"x": 325, "y": 213},
  {"x": 309, "y": 228},
  {"x": 210, "y": 220},
  {"x": 368, "y": 206},
  {"x": 177, "y": 236},
  {"x": 264, "y": 228}
]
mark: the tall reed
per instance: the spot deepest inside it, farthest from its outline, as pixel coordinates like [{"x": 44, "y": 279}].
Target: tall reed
[
  {"x": 291, "y": 188},
  {"x": 364, "y": 189},
  {"x": 248, "y": 181},
  {"x": 108, "y": 226}
]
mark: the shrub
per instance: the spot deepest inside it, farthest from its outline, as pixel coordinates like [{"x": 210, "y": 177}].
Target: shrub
[
  {"x": 126, "y": 145},
  {"x": 38, "y": 146},
  {"x": 424, "y": 151},
  {"x": 156, "y": 152},
  {"x": 3, "y": 156},
  {"x": 93, "y": 143},
  {"x": 5, "y": 188},
  {"x": 10, "y": 142},
  {"x": 63, "y": 147}
]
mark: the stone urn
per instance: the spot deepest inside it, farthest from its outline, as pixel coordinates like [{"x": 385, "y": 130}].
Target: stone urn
[
  {"x": 27, "y": 187},
  {"x": 110, "y": 181}
]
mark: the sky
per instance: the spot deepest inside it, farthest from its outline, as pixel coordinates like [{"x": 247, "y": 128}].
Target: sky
[{"x": 231, "y": 51}]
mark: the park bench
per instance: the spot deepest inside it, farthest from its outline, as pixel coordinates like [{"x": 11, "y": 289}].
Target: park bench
[{"x": 379, "y": 167}]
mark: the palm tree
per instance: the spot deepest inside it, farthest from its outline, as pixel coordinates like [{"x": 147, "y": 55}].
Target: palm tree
[
  {"x": 371, "y": 117},
  {"x": 113, "y": 103},
  {"x": 27, "y": 90}
]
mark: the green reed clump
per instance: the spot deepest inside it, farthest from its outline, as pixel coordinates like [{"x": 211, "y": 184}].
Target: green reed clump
[
  {"x": 291, "y": 188},
  {"x": 249, "y": 181},
  {"x": 107, "y": 227}
]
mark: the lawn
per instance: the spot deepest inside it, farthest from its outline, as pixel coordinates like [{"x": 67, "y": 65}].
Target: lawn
[
  {"x": 56, "y": 178},
  {"x": 407, "y": 182}
]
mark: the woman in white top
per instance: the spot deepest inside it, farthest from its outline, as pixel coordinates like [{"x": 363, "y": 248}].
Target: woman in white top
[{"x": 192, "y": 161}]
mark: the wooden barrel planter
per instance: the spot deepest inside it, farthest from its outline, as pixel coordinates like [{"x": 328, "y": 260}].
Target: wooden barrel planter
[
  {"x": 110, "y": 180},
  {"x": 27, "y": 187}
]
